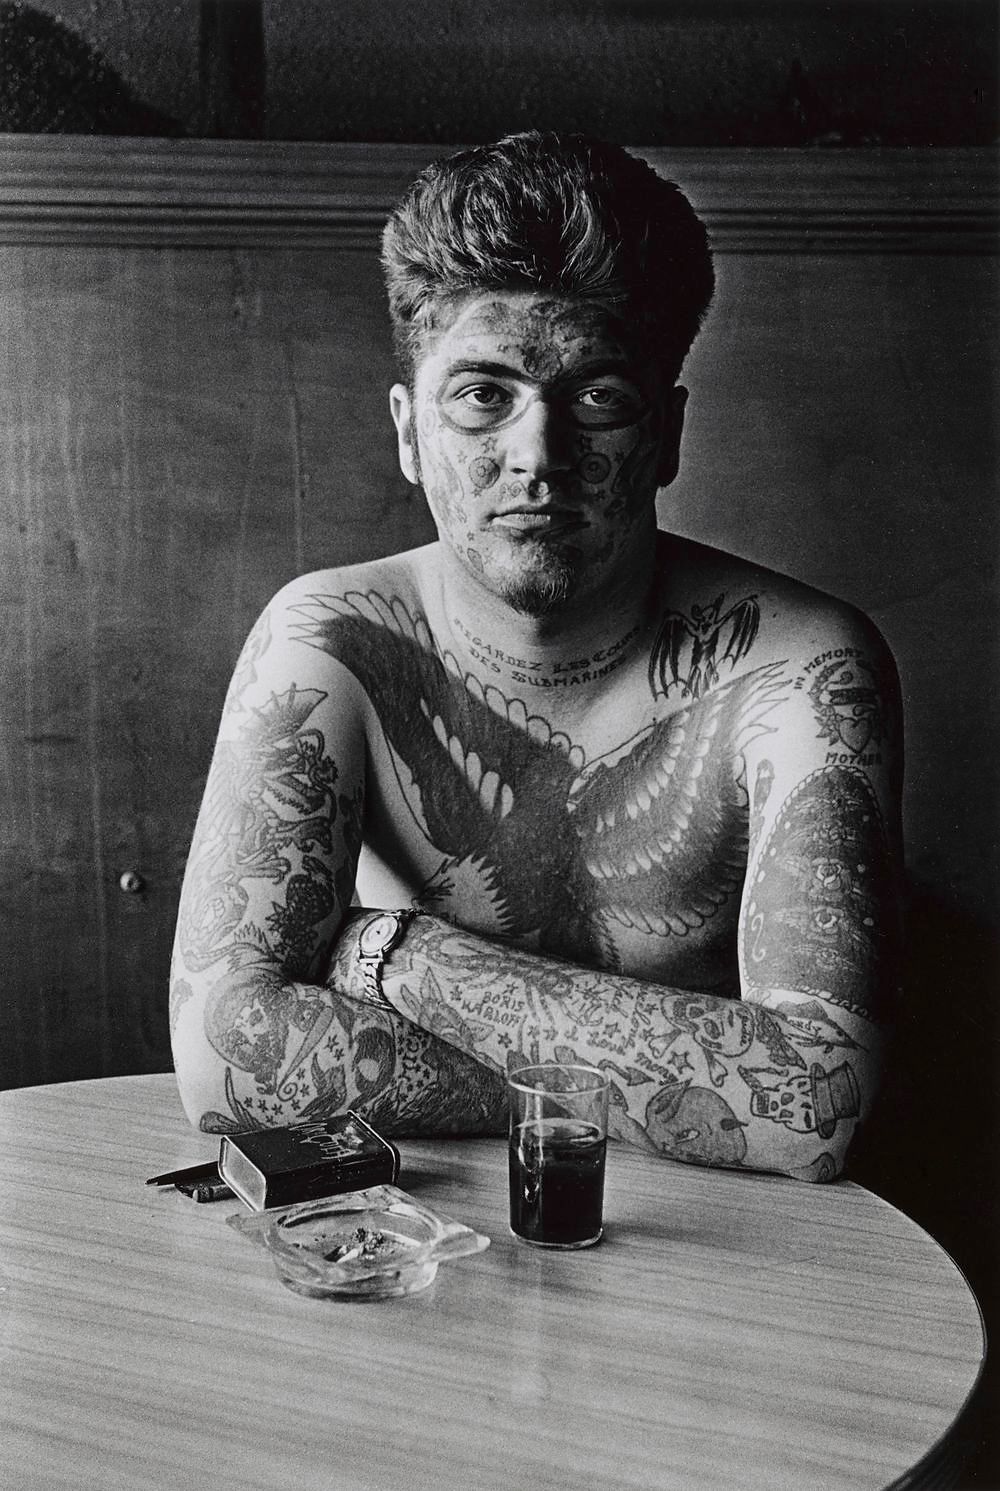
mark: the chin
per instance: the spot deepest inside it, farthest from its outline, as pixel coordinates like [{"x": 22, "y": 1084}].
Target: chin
[{"x": 541, "y": 590}]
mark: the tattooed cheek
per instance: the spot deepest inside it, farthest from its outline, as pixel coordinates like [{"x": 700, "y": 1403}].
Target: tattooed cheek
[
  {"x": 447, "y": 504},
  {"x": 637, "y": 470},
  {"x": 594, "y": 468},
  {"x": 484, "y": 472},
  {"x": 448, "y": 486}
]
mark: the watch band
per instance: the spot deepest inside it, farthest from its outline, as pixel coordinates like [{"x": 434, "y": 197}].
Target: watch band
[{"x": 383, "y": 931}]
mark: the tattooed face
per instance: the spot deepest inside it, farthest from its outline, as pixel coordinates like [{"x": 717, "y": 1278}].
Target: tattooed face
[
  {"x": 728, "y": 1031},
  {"x": 694, "y": 1123},
  {"x": 540, "y": 441}
]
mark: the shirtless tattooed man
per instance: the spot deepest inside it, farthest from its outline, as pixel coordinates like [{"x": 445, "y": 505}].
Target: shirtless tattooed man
[{"x": 605, "y": 794}]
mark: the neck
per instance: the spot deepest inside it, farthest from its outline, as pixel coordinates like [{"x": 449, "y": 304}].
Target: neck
[{"x": 570, "y": 648}]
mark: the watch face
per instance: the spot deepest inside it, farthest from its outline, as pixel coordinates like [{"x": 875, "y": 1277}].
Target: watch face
[{"x": 377, "y": 935}]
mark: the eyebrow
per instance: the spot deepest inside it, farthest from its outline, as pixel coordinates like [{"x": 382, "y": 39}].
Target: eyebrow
[
  {"x": 476, "y": 365},
  {"x": 619, "y": 366}
]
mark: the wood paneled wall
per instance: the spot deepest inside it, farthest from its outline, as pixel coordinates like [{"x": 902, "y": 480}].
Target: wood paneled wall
[{"x": 195, "y": 359}]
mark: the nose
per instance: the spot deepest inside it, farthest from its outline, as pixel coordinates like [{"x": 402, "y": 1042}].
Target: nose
[{"x": 538, "y": 443}]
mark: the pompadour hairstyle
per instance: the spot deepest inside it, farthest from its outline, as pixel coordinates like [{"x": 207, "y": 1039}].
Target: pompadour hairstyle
[{"x": 561, "y": 213}]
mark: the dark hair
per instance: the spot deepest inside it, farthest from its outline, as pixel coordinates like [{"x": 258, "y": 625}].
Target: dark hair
[{"x": 561, "y": 213}]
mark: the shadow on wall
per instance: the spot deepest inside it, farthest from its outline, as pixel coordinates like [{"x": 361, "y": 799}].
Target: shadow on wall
[
  {"x": 932, "y": 1146},
  {"x": 54, "y": 82}
]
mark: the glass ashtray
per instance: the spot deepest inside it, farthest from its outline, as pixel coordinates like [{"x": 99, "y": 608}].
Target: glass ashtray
[{"x": 373, "y": 1244}]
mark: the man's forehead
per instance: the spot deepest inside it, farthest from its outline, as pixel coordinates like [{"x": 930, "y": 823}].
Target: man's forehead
[
  {"x": 520, "y": 322},
  {"x": 555, "y": 315}
]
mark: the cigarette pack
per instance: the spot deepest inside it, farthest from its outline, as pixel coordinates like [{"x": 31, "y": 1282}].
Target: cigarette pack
[{"x": 303, "y": 1161}]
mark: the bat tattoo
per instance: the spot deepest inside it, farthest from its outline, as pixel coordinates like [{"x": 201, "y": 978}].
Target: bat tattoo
[{"x": 685, "y": 655}]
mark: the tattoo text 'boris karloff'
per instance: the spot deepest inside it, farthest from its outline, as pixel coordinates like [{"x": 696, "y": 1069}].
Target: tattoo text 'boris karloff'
[{"x": 690, "y": 1075}]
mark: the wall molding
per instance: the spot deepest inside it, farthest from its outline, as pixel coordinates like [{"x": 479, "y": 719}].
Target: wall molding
[{"x": 89, "y": 190}]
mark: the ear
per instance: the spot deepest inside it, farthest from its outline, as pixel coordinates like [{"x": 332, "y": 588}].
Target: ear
[
  {"x": 401, "y": 410},
  {"x": 670, "y": 443}
]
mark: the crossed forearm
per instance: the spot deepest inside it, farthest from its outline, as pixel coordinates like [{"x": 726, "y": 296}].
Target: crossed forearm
[
  {"x": 693, "y": 1076},
  {"x": 696, "y": 1077},
  {"x": 255, "y": 1050}
]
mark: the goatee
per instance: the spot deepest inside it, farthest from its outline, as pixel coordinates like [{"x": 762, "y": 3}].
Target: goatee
[{"x": 543, "y": 590}]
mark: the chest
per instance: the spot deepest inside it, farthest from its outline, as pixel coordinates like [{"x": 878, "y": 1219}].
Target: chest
[{"x": 618, "y": 842}]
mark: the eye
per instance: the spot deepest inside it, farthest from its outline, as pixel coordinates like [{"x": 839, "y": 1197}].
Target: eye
[
  {"x": 484, "y": 396},
  {"x": 478, "y": 405},
  {"x": 608, "y": 404},
  {"x": 600, "y": 398}
]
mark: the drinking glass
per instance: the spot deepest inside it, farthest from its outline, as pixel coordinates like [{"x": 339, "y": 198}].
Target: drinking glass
[{"x": 558, "y": 1138}]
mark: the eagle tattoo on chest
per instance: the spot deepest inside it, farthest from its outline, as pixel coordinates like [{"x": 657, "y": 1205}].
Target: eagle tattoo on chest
[{"x": 651, "y": 836}]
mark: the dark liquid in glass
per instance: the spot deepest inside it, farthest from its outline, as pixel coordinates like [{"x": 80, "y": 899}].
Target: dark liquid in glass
[{"x": 557, "y": 1181}]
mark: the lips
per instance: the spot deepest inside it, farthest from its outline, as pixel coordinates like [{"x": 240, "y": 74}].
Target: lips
[{"x": 538, "y": 520}]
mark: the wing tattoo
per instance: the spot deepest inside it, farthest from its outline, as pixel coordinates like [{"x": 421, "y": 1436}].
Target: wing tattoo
[
  {"x": 673, "y": 810},
  {"x": 485, "y": 780},
  {"x": 557, "y": 848}
]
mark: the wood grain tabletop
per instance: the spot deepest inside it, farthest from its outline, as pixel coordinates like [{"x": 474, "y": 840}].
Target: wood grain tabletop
[{"x": 731, "y": 1331}]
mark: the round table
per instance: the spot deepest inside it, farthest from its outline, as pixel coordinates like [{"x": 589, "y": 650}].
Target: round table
[{"x": 732, "y": 1330}]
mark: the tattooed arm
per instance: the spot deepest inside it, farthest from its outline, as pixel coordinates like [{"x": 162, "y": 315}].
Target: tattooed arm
[
  {"x": 258, "y": 1037},
  {"x": 263, "y": 1034},
  {"x": 677, "y": 1061},
  {"x": 780, "y": 1079},
  {"x": 821, "y": 923}
]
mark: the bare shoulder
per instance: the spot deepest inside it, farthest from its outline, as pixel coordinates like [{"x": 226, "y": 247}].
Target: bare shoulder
[
  {"x": 749, "y": 614},
  {"x": 390, "y": 579},
  {"x": 306, "y": 643}
]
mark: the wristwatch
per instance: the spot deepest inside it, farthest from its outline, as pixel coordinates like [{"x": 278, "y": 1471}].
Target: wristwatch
[{"x": 376, "y": 940}]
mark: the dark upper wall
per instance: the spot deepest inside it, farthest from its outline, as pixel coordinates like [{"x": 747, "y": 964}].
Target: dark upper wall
[{"x": 701, "y": 72}]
